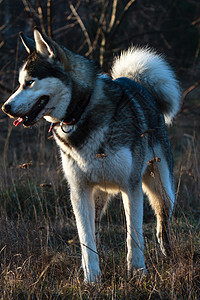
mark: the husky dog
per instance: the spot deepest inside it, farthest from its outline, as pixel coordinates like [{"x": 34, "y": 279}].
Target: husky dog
[{"x": 111, "y": 134}]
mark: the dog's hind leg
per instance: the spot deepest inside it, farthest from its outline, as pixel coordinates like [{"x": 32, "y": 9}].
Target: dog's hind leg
[
  {"x": 159, "y": 187},
  {"x": 84, "y": 210},
  {"x": 133, "y": 206}
]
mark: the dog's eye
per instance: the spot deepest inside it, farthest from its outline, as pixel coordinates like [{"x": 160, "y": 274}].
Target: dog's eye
[{"x": 28, "y": 82}]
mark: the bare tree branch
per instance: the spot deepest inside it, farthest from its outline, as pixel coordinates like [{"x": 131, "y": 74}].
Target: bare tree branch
[
  {"x": 100, "y": 31},
  {"x": 102, "y": 49},
  {"x": 41, "y": 18},
  {"x": 49, "y": 18},
  {"x": 113, "y": 15},
  {"x": 191, "y": 88},
  {"x": 118, "y": 22},
  {"x": 82, "y": 27},
  {"x": 26, "y": 6},
  {"x": 71, "y": 14}
]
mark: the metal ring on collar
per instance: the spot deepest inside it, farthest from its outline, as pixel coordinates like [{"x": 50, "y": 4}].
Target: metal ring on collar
[{"x": 70, "y": 128}]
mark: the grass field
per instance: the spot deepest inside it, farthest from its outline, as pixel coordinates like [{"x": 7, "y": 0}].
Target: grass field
[{"x": 39, "y": 246}]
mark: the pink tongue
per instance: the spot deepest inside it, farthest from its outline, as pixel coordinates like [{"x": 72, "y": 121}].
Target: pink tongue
[{"x": 18, "y": 121}]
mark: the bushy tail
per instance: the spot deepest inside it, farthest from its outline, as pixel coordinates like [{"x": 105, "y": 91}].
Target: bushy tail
[{"x": 150, "y": 70}]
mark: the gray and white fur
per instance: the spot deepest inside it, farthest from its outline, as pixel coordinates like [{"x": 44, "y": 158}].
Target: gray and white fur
[{"x": 115, "y": 142}]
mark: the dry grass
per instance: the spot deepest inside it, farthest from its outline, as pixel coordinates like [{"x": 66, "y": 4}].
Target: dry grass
[{"x": 39, "y": 248}]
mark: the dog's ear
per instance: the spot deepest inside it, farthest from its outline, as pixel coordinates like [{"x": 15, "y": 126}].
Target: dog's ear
[
  {"x": 44, "y": 45},
  {"x": 29, "y": 44}
]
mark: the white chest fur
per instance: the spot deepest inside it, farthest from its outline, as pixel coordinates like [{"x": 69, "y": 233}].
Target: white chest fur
[{"x": 108, "y": 170}]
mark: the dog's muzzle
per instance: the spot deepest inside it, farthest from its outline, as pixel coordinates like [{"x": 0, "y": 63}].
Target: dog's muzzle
[{"x": 30, "y": 117}]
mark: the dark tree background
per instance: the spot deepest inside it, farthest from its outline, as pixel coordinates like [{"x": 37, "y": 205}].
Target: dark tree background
[{"x": 99, "y": 28}]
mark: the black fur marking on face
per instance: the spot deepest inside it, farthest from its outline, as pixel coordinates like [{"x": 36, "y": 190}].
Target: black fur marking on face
[{"x": 39, "y": 67}]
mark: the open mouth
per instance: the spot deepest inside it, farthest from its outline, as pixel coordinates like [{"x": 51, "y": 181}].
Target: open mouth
[{"x": 35, "y": 113}]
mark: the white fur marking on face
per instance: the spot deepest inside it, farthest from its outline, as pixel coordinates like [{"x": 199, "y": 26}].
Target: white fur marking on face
[{"x": 23, "y": 74}]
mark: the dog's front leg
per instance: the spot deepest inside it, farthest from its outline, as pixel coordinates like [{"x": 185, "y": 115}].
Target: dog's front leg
[{"x": 84, "y": 211}]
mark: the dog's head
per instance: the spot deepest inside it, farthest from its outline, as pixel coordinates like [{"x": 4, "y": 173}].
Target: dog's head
[
  {"x": 45, "y": 88},
  {"x": 46, "y": 81}
]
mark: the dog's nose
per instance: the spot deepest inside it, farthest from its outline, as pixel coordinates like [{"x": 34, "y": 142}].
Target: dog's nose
[{"x": 6, "y": 108}]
